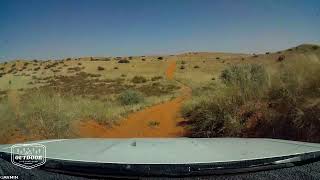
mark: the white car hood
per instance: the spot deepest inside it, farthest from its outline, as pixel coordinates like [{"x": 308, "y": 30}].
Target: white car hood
[{"x": 169, "y": 150}]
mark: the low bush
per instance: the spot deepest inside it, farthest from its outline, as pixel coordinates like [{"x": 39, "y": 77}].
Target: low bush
[
  {"x": 138, "y": 79},
  {"x": 182, "y": 67},
  {"x": 196, "y": 67},
  {"x": 160, "y": 58},
  {"x": 281, "y": 58},
  {"x": 123, "y": 61},
  {"x": 130, "y": 97},
  {"x": 155, "y": 78},
  {"x": 208, "y": 118},
  {"x": 100, "y": 68}
]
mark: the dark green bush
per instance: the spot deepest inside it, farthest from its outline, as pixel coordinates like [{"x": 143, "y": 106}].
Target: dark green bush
[
  {"x": 155, "y": 78},
  {"x": 315, "y": 47},
  {"x": 281, "y": 58},
  {"x": 130, "y": 97},
  {"x": 250, "y": 79},
  {"x": 100, "y": 68},
  {"x": 139, "y": 79},
  {"x": 208, "y": 118}
]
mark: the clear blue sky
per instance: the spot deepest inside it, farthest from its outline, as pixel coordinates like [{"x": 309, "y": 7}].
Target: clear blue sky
[{"x": 71, "y": 28}]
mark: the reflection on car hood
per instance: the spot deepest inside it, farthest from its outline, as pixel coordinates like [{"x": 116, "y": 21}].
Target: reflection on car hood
[{"x": 170, "y": 150}]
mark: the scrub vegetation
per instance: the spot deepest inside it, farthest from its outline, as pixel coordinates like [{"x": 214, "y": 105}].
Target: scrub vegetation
[
  {"x": 46, "y": 99},
  {"x": 195, "y": 94},
  {"x": 252, "y": 102}
]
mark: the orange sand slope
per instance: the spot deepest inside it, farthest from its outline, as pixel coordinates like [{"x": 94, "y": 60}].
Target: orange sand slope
[{"x": 137, "y": 124}]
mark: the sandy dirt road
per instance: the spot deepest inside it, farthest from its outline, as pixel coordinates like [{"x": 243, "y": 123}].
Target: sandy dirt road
[{"x": 138, "y": 124}]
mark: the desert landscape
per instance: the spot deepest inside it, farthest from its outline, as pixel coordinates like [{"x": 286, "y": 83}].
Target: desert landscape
[{"x": 193, "y": 94}]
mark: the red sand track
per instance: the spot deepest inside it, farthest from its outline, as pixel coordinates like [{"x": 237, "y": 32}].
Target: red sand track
[{"x": 137, "y": 124}]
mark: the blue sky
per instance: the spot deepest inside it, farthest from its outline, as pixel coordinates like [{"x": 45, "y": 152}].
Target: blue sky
[{"x": 47, "y": 29}]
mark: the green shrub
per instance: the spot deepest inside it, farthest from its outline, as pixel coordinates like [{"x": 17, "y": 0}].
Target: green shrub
[
  {"x": 250, "y": 79},
  {"x": 315, "y": 47},
  {"x": 155, "y": 78},
  {"x": 130, "y": 97},
  {"x": 208, "y": 118},
  {"x": 139, "y": 79}
]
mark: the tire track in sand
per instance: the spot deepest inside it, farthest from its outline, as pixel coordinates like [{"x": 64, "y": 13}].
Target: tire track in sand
[{"x": 137, "y": 123}]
